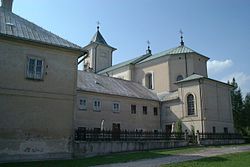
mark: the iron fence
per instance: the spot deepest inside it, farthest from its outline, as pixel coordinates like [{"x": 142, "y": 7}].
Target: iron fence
[
  {"x": 222, "y": 136},
  {"x": 124, "y": 135},
  {"x": 82, "y": 134}
]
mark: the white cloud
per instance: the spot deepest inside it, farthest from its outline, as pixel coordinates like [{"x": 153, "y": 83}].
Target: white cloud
[
  {"x": 241, "y": 78},
  {"x": 216, "y": 66}
]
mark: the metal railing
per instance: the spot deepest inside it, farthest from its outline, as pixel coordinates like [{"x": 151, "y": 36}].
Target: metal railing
[
  {"x": 82, "y": 134},
  {"x": 124, "y": 135},
  {"x": 221, "y": 136}
]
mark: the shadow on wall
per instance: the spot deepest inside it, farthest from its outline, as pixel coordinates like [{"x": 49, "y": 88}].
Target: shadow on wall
[{"x": 169, "y": 116}]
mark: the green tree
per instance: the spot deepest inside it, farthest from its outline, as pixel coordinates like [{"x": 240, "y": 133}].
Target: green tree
[
  {"x": 246, "y": 113},
  {"x": 237, "y": 106},
  {"x": 178, "y": 126}
]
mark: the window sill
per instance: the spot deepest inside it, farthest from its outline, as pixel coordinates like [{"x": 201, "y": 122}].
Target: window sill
[
  {"x": 34, "y": 79},
  {"x": 187, "y": 116}
]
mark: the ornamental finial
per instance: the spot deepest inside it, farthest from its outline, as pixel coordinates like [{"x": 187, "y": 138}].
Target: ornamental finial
[{"x": 182, "y": 42}]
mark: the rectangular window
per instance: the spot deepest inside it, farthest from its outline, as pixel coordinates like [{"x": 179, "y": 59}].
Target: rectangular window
[
  {"x": 145, "y": 110},
  {"x": 35, "y": 68},
  {"x": 225, "y": 130},
  {"x": 97, "y": 105},
  {"x": 82, "y": 103},
  {"x": 155, "y": 111},
  {"x": 214, "y": 129},
  {"x": 116, "y": 107},
  {"x": 133, "y": 109}
]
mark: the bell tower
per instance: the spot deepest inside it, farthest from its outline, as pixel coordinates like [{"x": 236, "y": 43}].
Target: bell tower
[{"x": 100, "y": 53}]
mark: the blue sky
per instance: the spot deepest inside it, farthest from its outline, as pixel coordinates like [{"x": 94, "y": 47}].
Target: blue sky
[{"x": 219, "y": 29}]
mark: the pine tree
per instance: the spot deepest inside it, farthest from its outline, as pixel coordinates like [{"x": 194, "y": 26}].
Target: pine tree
[
  {"x": 237, "y": 106},
  {"x": 246, "y": 112}
]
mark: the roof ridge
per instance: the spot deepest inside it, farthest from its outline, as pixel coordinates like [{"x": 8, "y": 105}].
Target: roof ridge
[
  {"x": 126, "y": 62},
  {"x": 172, "y": 51}
]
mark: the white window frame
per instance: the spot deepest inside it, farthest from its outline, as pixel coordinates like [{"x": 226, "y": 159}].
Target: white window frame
[
  {"x": 97, "y": 107},
  {"x": 35, "y": 74},
  {"x": 82, "y": 106},
  {"x": 116, "y": 109}
]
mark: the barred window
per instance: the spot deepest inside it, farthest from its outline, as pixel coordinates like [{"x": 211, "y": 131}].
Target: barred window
[{"x": 190, "y": 104}]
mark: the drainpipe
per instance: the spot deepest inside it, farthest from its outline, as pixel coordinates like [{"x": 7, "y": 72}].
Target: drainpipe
[
  {"x": 95, "y": 57},
  {"x": 202, "y": 114},
  {"x": 160, "y": 107},
  {"x": 186, "y": 64}
]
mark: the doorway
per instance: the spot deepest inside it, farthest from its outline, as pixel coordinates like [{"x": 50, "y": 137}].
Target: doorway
[
  {"x": 168, "y": 129},
  {"x": 116, "y": 131}
]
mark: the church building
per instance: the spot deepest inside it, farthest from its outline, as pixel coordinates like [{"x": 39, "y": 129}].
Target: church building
[
  {"x": 44, "y": 98},
  {"x": 176, "y": 77}
]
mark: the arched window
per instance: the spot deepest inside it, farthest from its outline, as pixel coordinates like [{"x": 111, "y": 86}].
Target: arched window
[
  {"x": 179, "y": 77},
  {"x": 149, "y": 80},
  {"x": 190, "y": 104}
]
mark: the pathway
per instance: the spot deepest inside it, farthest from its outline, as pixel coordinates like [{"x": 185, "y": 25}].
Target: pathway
[{"x": 207, "y": 152}]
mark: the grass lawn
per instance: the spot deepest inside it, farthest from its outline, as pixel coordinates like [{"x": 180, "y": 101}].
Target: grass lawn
[
  {"x": 230, "y": 160},
  {"x": 106, "y": 159}
]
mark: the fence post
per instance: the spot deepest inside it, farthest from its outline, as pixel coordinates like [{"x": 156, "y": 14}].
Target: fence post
[{"x": 198, "y": 137}]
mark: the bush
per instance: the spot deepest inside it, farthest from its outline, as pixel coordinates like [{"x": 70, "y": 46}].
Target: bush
[{"x": 178, "y": 126}]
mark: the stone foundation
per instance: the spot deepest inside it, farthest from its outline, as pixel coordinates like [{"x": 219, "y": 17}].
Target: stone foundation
[
  {"x": 85, "y": 148},
  {"x": 34, "y": 149}
]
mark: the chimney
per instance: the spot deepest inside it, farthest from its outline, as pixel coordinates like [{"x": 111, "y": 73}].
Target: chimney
[{"x": 7, "y": 4}]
